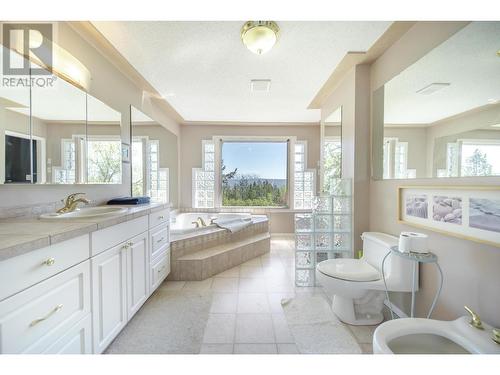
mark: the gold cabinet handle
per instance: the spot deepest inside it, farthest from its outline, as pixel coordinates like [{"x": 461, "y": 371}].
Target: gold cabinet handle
[
  {"x": 49, "y": 262},
  {"x": 161, "y": 217},
  {"x": 53, "y": 311},
  {"x": 160, "y": 240}
]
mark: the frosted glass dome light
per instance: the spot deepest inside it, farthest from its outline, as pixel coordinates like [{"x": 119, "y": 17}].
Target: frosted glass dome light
[{"x": 259, "y": 36}]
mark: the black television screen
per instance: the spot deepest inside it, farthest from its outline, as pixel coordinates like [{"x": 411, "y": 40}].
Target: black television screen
[{"x": 17, "y": 160}]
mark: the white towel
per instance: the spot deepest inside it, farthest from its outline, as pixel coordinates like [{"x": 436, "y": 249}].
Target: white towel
[{"x": 233, "y": 225}]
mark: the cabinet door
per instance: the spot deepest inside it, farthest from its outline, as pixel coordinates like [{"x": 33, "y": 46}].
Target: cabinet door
[
  {"x": 77, "y": 340},
  {"x": 137, "y": 273},
  {"x": 109, "y": 299}
]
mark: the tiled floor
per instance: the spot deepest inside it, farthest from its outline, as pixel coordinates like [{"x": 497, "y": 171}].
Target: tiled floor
[{"x": 246, "y": 316}]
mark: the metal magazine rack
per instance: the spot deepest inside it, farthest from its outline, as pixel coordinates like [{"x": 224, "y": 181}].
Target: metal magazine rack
[{"x": 324, "y": 233}]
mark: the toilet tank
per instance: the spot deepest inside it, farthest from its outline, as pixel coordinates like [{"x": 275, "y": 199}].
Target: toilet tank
[{"x": 398, "y": 271}]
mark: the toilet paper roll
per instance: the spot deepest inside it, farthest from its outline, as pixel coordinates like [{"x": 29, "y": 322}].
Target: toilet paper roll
[
  {"x": 404, "y": 245},
  {"x": 413, "y": 242},
  {"x": 419, "y": 243}
]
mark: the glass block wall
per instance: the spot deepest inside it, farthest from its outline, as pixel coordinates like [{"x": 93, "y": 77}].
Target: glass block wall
[{"x": 325, "y": 233}]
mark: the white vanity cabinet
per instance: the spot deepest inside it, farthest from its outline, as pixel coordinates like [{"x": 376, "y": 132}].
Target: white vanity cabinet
[
  {"x": 74, "y": 297},
  {"x": 109, "y": 295},
  {"x": 159, "y": 247}
]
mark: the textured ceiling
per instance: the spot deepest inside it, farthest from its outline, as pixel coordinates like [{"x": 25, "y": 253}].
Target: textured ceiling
[
  {"x": 208, "y": 70},
  {"x": 467, "y": 61}
]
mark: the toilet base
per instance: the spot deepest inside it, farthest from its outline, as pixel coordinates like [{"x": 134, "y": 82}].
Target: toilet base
[{"x": 362, "y": 311}]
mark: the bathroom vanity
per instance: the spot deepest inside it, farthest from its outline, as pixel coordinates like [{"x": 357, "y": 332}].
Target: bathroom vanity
[{"x": 71, "y": 286}]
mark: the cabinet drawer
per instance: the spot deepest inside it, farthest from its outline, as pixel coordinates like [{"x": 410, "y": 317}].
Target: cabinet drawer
[
  {"x": 109, "y": 237},
  {"x": 77, "y": 340},
  {"x": 159, "y": 217},
  {"x": 158, "y": 240},
  {"x": 23, "y": 271},
  {"x": 34, "y": 319},
  {"x": 160, "y": 270}
]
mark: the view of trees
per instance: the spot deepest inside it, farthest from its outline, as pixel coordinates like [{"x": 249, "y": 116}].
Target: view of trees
[
  {"x": 477, "y": 165},
  {"x": 250, "y": 190},
  {"x": 332, "y": 163},
  {"x": 104, "y": 162}
]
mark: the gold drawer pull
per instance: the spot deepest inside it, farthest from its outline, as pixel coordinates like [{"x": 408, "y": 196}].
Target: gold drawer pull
[
  {"x": 161, "y": 217},
  {"x": 127, "y": 245},
  {"x": 54, "y": 310},
  {"x": 160, "y": 240},
  {"x": 161, "y": 269},
  {"x": 49, "y": 262}
]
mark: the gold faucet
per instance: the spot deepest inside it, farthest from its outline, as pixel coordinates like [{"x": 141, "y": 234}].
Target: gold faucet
[
  {"x": 475, "y": 319},
  {"x": 496, "y": 335},
  {"x": 201, "y": 221},
  {"x": 71, "y": 203}
]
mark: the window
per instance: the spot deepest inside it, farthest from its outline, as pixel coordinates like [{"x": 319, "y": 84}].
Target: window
[
  {"x": 204, "y": 178},
  {"x": 332, "y": 164},
  {"x": 254, "y": 173},
  {"x": 480, "y": 158},
  {"x": 395, "y": 160},
  {"x": 66, "y": 174},
  {"x": 104, "y": 161},
  {"x": 147, "y": 176},
  {"x": 304, "y": 187}
]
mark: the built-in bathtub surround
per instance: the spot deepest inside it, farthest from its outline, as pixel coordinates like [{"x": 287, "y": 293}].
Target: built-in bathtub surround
[{"x": 202, "y": 254}]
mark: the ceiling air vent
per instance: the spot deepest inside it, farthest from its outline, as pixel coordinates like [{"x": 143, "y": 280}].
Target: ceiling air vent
[
  {"x": 432, "y": 88},
  {"x": 260, "y": 85}
]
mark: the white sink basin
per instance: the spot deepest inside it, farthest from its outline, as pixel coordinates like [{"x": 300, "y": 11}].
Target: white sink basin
[
  {"x": 86, "y": 213},
  {"x": 428, "y": 336}
]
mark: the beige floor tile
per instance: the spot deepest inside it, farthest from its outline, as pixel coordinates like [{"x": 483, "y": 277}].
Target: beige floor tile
[
  {"x": 363, "y": 334},
  {"x": 254, "y": 329},
  {"x": 251, "y": 272},
  {"x": 255, "y": 262},
  {"x": 252, "y": 286},
  {"x": 287, "y": 349},
  {"x": 172, "y": 285},
  {"x": 275, "y": 301},
  {"x": 255, "y": 349},
  {"x": 216, "y": 349},
  {"x": 366, "y": 348},
  {"x": 253, "y": 303},
  {"x": 232, "y": 272},
  {"x": 199, "y": 285},
  {"x": 219, "y": 329},
  {"x": 281, "y": 330},
  {"x": 225, "y": 284},
  {"x": 224, "y": 303}
]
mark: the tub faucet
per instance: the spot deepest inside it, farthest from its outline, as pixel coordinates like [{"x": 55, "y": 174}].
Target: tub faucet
[
  {"x": 71, "y": 203},
  {"x": 201, "y": 221}
]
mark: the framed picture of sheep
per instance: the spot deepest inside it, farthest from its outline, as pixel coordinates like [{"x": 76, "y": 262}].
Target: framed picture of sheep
[{"x": 468, "y": 212}]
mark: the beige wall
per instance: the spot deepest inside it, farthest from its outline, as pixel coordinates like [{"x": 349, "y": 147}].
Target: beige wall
[
  {"x": 352, "y": 94},
  {"x": 113, "y": 88},
  {"x": 471, "y": 270},
  {"x": 190, "y": 157}
]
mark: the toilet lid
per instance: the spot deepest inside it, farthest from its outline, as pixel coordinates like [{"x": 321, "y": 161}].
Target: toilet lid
[{"x": 349, "y": 269}]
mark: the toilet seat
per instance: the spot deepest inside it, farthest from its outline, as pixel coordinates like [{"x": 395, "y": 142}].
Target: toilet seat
[{"x": 349, "y": 269}]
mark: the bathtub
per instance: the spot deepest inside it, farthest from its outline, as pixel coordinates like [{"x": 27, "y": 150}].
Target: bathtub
[{"x": 182, "y": 224}]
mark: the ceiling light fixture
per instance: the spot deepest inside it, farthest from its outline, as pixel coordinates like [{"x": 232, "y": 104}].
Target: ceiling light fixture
[{"x": 259, "y": 36}]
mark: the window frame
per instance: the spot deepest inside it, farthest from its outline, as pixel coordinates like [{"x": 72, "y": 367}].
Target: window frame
[{"x": 290, "y": 160}]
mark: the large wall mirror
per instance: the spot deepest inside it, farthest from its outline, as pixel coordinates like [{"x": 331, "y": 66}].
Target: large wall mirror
[
  {"x": 57, "y": 134},
  {"x": 441, "y": 116},
  {"x": 154, "y": 159},
  {"x": 331, "y": 149}
]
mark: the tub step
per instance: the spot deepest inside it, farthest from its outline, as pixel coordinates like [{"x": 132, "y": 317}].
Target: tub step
[{"x": 208, "y": 262}]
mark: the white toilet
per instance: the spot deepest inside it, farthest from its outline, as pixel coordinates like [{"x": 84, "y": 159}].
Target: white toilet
[{"x": 357, "y": 285}]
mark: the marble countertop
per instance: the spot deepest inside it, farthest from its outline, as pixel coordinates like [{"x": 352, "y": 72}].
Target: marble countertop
[{"x": 20, "y": 236}]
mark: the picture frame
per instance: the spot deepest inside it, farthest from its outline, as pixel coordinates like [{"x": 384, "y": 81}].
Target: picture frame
[
  {"x": 467, "y": 212},
  {"x": 125, "y": 153}
]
